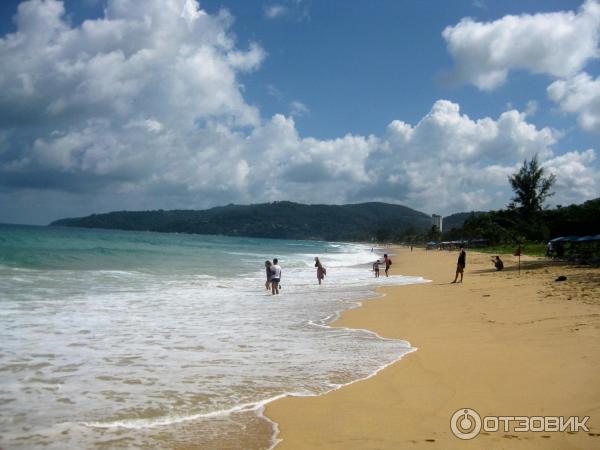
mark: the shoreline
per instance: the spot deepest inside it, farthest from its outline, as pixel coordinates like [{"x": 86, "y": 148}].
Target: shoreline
[
  {"x": 466, "y": 333},
  {"x": 262, "y": 405}
]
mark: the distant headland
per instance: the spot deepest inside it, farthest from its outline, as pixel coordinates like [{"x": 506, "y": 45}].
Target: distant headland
[
  {"x": 284, "y": 219},
  {"x": 374, "y": 221}
]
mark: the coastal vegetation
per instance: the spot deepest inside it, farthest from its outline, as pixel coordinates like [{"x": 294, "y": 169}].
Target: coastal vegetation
[
  {"x": 284, "y": 220},
  {"x": 525, "y": 221}
]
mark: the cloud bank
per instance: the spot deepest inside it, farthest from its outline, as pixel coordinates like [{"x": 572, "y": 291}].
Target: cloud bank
[
  {"x": 558, "y": 45},
  {"x": 144, "y": 108}
]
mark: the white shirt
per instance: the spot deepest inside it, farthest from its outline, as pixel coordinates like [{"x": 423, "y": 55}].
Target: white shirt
[{"x": 276, "y": 271}]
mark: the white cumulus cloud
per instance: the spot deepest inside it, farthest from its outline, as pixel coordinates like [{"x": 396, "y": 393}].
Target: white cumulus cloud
[
  {"x": 575, "y": 176},
  {"x": 450, "y": 162},
  {"x": 579, "y": 95},
  {"x": 558, "y": 44},
  {"x": 134, "y": 60}
]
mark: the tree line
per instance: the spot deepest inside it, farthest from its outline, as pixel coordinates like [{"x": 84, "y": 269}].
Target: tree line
[{"x": 525, "y": 218}]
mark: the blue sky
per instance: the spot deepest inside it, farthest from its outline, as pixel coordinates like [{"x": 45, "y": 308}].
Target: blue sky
[{"x": 127, "y": 104}]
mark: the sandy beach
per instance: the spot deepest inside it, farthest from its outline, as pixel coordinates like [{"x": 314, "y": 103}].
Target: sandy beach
[{"x": 501, "y": 343}]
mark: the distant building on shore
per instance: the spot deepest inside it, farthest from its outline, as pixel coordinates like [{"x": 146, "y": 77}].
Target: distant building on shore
[{"x": 438, "y": 221}]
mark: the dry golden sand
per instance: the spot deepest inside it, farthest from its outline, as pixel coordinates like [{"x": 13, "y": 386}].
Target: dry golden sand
[{"x": 500, "y": 343}]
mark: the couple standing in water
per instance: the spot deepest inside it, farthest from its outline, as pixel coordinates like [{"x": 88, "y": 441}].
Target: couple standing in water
[{"x": 273, "y": 270}]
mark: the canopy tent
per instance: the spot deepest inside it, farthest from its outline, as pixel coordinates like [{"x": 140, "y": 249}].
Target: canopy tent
[
  {"x": 586, "y": 239},
  {"x": 565, "y": 239}
]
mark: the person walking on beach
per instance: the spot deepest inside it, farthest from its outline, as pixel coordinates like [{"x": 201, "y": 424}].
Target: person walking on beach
[
  {"x": 460, "y": 264},
  {"x": 388, "y": 263},
  {"x": 268, "y": 265},
  {"x": 376, "y": 268},
  {"x": 321, "y": 271},
  {"x": 275, "y": 276}
]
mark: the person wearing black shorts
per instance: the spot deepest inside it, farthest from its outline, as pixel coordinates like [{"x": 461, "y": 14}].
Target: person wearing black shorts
[
  {"x": 460, "y": 264},
  {"x": 275, "y": 277}
]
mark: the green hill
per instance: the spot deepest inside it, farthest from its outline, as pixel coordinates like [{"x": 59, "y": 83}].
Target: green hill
[{"x": 286, "y": 220}]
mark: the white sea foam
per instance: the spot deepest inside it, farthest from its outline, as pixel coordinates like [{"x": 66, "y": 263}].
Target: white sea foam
[
  {"x": 259, "y": 406},
  {"x": 137, "y": 347}
]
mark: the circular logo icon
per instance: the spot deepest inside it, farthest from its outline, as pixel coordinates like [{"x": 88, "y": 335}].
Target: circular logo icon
[{"x": 465, "y": 423}]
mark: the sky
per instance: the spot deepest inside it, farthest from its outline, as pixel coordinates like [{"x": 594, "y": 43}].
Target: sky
[{"x": 176, "y": 104}]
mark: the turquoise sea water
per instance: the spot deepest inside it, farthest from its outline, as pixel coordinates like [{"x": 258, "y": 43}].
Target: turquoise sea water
[{"x": 112, "y": 339}]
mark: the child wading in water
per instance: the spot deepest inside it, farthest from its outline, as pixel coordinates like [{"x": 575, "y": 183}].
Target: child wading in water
[{"x": 376, "y": 268}]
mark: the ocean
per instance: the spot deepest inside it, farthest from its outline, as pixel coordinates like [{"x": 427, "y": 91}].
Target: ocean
[{"x": 116, "y": 339}]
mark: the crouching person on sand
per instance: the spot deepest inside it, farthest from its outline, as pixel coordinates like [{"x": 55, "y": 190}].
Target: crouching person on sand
[{"x": 498, "y": 264}]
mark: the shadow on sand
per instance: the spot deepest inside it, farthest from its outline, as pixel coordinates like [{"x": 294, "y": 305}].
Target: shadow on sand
[{"x": 530, "y": 265}]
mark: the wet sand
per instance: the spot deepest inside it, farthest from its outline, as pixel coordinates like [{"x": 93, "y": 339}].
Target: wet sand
[{"x": 500, "y": 343}]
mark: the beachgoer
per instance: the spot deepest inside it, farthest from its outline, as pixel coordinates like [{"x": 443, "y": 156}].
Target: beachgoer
[
  {"x": 275, "y": 276},
  {"x": 376, "y": 268},
  {"x": 268, "y": 265},
  {"x": 549, "y": 249},
  {"x": 321, "y": 271},
  {"x": 498, "y": 263},
  {"x": 460, "y": 264},
  {"x": 388, "y": 263}
]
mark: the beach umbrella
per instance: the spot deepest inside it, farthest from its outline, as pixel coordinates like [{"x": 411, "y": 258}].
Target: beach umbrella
[{"x": 558, "y": 239}]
